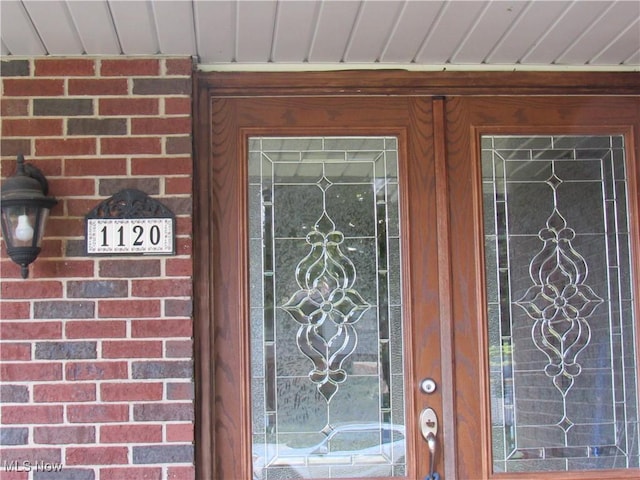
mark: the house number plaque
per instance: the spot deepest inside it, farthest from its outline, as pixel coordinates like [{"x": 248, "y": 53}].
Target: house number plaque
[{"x": 130, "y": 223}]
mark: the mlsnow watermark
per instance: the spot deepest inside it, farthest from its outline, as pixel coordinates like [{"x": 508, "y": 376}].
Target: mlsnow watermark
[{"x": 29, "y": 466}]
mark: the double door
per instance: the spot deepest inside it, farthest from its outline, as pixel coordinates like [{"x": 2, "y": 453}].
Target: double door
[{"x": 399, "y": 286}]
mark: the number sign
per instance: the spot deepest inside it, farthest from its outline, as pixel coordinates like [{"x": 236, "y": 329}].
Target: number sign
[
  {"x": 130, "y": 223},
  {"x": 130, "y": 235}
]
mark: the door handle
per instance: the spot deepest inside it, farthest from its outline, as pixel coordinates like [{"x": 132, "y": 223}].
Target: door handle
[{"x": 429, "y": 430}]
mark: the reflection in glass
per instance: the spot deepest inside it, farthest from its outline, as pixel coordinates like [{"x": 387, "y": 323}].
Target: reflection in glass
[
  {"x": 560, "y": 303},
  {"x": 326, "y": 325}
]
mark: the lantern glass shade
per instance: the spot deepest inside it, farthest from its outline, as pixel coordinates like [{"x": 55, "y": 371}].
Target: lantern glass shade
[
  {"x": 25, "y": 208},
  {"x": 24, "y": 226}
]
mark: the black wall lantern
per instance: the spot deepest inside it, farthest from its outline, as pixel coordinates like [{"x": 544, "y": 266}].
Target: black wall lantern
[{"x": 25, "y": 208}]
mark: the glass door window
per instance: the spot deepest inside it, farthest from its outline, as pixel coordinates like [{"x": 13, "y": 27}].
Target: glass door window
[
  {"x": 562, "y": 338},
  {"x": 326, "y": 315}
]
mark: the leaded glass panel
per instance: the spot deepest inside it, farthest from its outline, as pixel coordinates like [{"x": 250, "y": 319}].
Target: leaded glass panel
[
  {"x": 326, "y": 317},
  {"x": 564, "y": 392}
]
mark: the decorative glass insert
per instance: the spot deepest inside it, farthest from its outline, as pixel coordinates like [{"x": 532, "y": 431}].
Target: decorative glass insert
[
  {"x": 564, "y": 393},
  {"x": 326, "y": 315}
]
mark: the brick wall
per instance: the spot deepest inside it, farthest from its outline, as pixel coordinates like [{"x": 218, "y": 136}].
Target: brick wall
[{"x": 96, "y": 352}]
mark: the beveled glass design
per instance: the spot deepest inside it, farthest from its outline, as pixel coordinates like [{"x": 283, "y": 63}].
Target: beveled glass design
[
  {"x": 326, "y": 318},
  {"x": 562, "y": 337}
]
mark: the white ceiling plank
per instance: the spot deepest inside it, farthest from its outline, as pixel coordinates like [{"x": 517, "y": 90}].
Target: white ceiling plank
[
  {"x": 215, "y": 31},
  {"x": 255, "y": 24},
  {"x": 95, "y": 27},
  {"x": 18, "y": 32},
  {"x": 487, "y": 32},
  {"x": 614, "y": 20},
  {"x": 55, "y": 26},
  {"x": 449, "y": 30},
  {"x": 333, "y": 30},
  {"x": 294, "y": 28},
  {"x": 622, "y": 48},
  {"x": 410, "y": 31},
  {"x": 3, "y": 48},
  {"x": 564, "y": 32},
  {"x": 371, "y": 31},
  {"x": 534, "y": 20},
  {"x": 135, "y": 26},
  {"x": 174, "y": 24}
]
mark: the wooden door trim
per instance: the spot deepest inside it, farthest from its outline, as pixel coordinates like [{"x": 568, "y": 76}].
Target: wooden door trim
[{"x": 399, "y": 82}]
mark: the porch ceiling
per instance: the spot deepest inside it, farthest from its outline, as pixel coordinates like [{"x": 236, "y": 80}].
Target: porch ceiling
[{"x": 420, "y": 34}]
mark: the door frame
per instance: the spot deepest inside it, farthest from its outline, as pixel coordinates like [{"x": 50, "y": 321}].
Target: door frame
[{"x": 208, "y": 85}]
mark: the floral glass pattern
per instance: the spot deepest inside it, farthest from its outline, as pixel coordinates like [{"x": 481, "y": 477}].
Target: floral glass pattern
[
  {"x": 564, "y": 393},
  {"x": 325, "y": 300}
]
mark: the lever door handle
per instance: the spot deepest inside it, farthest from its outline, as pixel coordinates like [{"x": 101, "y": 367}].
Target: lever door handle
[{"x": 429, "y": 430}]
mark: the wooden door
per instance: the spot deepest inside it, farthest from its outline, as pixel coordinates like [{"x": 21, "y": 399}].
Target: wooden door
[
  {"x": 544, "y": 208},
  {"x": 452, "y": 196},
  {"x": 408, "y": 278}
]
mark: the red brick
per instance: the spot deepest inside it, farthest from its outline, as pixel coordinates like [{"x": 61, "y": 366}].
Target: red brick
[
  {"x": 132, "y": 349},
  {"x": 31, "y": 87},
  {"x": 96, "y": 455},
  {"x": 181, "y": 473},
  {"x": 99, "y": 86},
  {"x": 96, "y": 329},
  {"x": 177, "y": 106},
  {"x": 32, "y": 127},
  {"x": 131, "y": 434},
  {"x": 179, "y": 267},
  {"x": 13, "y": 310},
  {"x": 15, "y": 146},
  {"x": 161, "y": 166},
  {"x": 95, "y": 370},
  {"x": 179, "y": 349},
  {"x": 128, "y": 106},
  {"x": 184, "y": 246},
  {"x": 82, "y": 167},
  {"x": 59, "y": 226},
  {"x": 181, "y": 145},
  {"x": 130, "y": 67},
  {"x": 64, "y": 435},
  {"x": 100, "y": 413},
  {"x": 14, "y": 107},
  {"x": 79, "y": 207},
  {"x": 62, "y": 268},
  {"x": 180, "y": 391},
  {"x": 33, "y": 289},
  {"x": 180, "y": 432},
  {"x": 51, "y": 247},
  {"x": 178, "y": 185},
  {"x": 30, "y": 330},
  {"x": 128, "y": 392},
  {"x": 161, "y": 288},
  {"x": 160, "y": 126},
  {"x": 6, "y": 475},
  {"x": 15, "y": 351},
  {"x": 175, "y": 307},
  {"x": 179, "y": 66},
  {"x": 65, "y": 146},
  {"x": 130, "y": 145},
  {"x": 72, "y": 187},
  {"x": 32, "y": 371},
  {"x": 131, "y": 473},
  {"x": 128, "y": 308},
  {"x": 67, "y": 67},
  {"x": 161, "y": 328},
  {"x": 32, "y": 414},
  {"x": 51, "y": 393},
  {"x": 129, "y": 269},
  {"x": 20, "y": 455}
]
